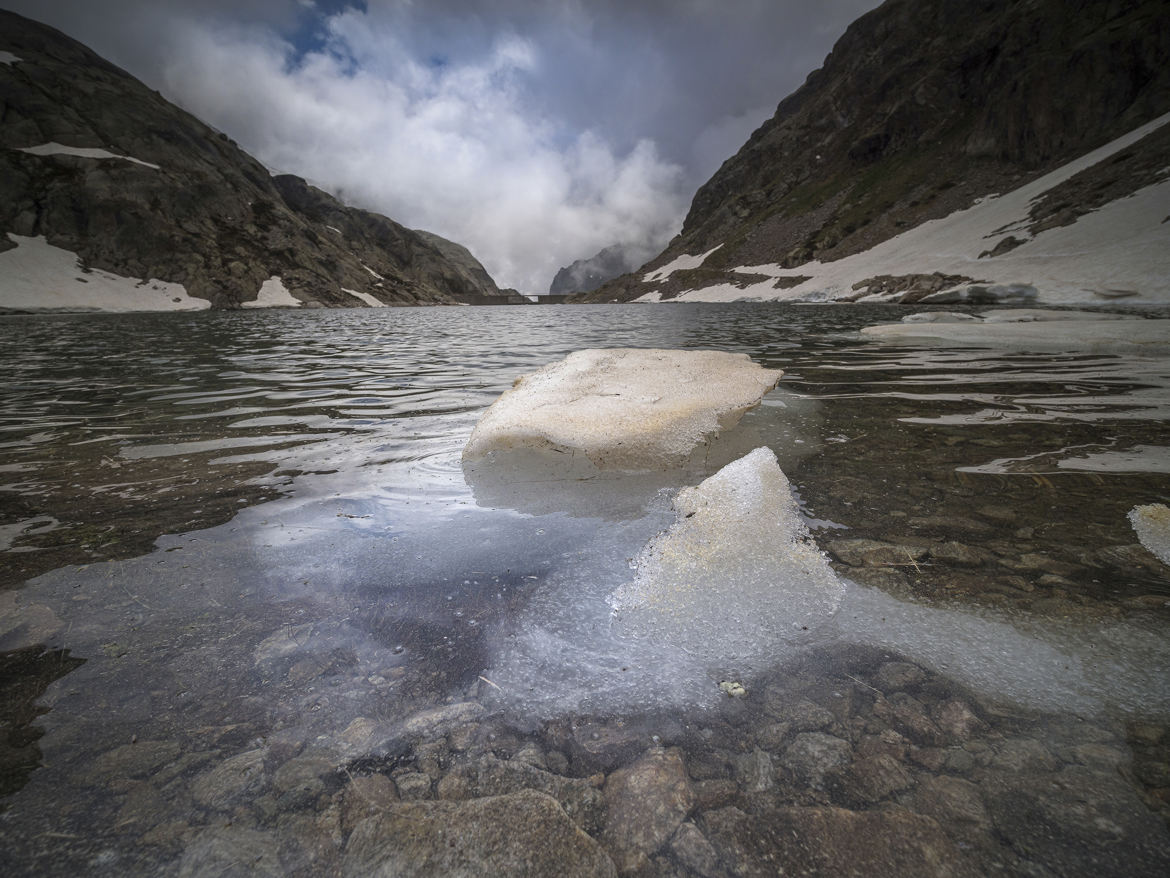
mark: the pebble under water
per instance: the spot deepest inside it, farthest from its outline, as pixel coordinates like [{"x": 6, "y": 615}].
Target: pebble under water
[{"x": 256, "y": 617}]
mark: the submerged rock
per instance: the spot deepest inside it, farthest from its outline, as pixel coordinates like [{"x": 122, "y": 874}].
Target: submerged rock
[
  {"x": 623, "y": 408},
  {"x": 833, "y": 841},
  {"x": 526, "y": 833},
  {"x": 737, "y": 570},
  {"x": 1152, "y": 524},
  {"x": 646, "y": 804}
]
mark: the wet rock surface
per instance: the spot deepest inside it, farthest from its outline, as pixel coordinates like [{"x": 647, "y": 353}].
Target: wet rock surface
[{"x": 524, "y": 833}]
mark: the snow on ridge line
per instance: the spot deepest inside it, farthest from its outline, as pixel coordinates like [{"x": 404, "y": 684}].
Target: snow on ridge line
[
  {"x": 273, "y": 294},
  {"x": 85, "y": 152},
  {"x": 679, "y": 263},
  {"x": 1120, "y": 245},
  {"x": 35, "y": 275}
]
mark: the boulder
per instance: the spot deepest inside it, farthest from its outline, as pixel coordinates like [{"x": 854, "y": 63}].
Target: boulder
[
  {"x": 525, "y": 833},
  {"x": 646, "y": 803},
  {"x": 833, "y": 841}
]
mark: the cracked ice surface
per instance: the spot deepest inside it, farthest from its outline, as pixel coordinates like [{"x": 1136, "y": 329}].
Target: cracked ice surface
[{"x": 624, "y": 408}]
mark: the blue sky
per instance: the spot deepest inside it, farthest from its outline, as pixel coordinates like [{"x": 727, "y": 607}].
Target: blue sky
[{"x": 535, "y": 133}]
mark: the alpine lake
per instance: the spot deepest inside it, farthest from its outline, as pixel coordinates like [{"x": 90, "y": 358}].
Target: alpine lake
[{"x": 256, "y": 618}]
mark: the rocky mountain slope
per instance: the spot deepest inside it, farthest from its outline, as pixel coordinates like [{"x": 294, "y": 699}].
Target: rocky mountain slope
[
  {"x": 923, "y": 109},
  {"x": 586, "y": 275},
  {"x": 93, "y": 163}
]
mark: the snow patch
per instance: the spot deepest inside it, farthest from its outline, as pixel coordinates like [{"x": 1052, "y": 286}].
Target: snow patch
[
  {"x": 37, "y": 275},
  {"x": 680, "y": 263},
  {"x": 623, "y": 408},
  {"x": 653, "y": 297},
  {"x": 335, "y": 229},
  {"x": 273, "y": 295},
  {"x": 1117, "y": 249},
  {"x": 1152, "y": 524},
  {"x": 371, "y": 271},
  {"x": 365, "y": 297},
  {"x": 9, "y": 58},
  {"x": 736, "y": 572},
  {"x": 46, "y": 149}
]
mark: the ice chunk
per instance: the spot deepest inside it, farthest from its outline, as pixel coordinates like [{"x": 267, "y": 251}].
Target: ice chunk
[
  {"x": 1152, "y": 524},
  {"x": 624, "y": 408},
  {"x": 938, "y": 317},
  {"x": 1031, "y": 315},
  {"x": 735, "y": 573},
  {"x": 1143, "y": 337}
]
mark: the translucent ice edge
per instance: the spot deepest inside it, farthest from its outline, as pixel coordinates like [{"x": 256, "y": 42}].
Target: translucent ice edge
[
  {"x": 1152, "y": 524},
  {"x": 734, "y": 587}
]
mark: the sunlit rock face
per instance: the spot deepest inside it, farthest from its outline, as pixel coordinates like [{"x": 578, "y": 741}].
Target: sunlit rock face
[
  {"x": 1152, "y": 524},
  {"x": 736, "y": 572},
  {"x": 623, "y": 409}
]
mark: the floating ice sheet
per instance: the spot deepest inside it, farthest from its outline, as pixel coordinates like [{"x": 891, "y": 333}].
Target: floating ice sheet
[
  {"x": 1152, "y": 524},
  {"x": 623, "y": 408},
  {"x": 735, "y": 573}
]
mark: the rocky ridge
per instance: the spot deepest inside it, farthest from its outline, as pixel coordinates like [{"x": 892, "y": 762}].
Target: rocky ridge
[
  {"x": 586, "y": 275},
  {"x": 923, "y": 108},
  {"x": 101, "y": 166}
]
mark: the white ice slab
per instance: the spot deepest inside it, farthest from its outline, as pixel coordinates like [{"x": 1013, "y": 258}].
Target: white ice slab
[
  {"x": 736, "y": 572},
  {"x": 9, "y": 58},
  {"x": 623, "y": 408}
]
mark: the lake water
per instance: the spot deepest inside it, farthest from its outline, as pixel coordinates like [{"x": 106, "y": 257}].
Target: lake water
[{"x": 249, "y": 596}]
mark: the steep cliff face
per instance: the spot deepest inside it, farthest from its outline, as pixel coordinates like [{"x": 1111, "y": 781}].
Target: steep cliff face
[
  {"x": 923, "y": 107},
  {"x": 100, "y": 166}
]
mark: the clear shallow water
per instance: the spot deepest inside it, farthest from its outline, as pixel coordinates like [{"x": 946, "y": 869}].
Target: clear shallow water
[{"x": 255, "y": 532}]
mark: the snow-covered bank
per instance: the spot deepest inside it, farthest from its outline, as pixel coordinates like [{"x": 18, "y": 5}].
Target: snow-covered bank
[
  {"x": 38, "y": 276},
  {"x": 1122, "y": 246},
  {"x": 1149, "y": 337}
]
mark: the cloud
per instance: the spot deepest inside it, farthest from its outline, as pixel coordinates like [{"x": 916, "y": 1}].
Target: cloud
[{"x": 534, "y": 133}]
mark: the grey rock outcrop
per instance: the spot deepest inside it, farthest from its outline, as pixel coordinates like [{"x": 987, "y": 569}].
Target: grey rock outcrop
[
  {"x": 922, "y": 107},
  {"x": 162, "y": 195},
  {"x": 586, "y": 275}
]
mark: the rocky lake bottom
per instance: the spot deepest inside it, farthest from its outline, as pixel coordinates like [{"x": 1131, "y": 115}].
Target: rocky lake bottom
[{"x": 256, "y": 618}]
